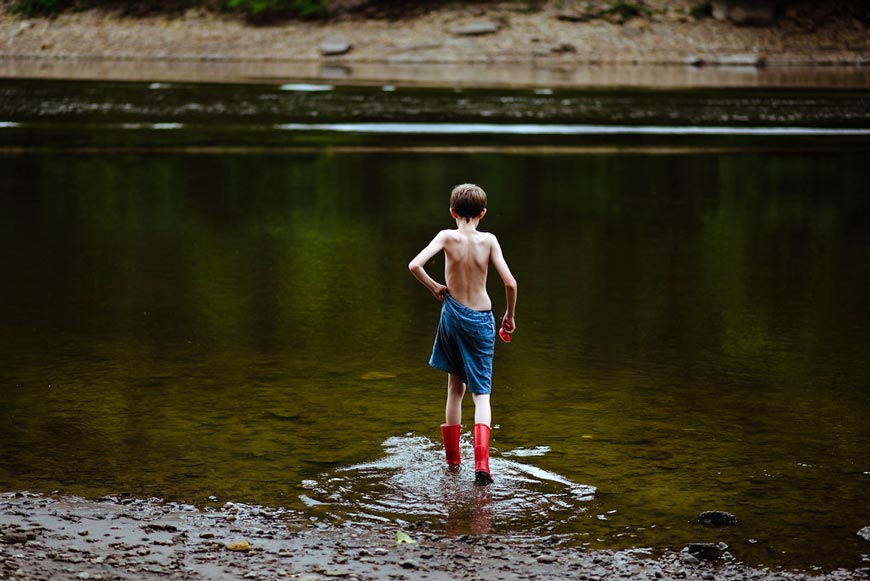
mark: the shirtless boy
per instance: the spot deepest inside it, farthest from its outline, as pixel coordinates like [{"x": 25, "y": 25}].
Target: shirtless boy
[{"x": 465, "y": 340}]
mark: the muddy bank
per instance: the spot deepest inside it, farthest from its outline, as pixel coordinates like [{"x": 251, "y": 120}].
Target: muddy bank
[
  {"x": 48, "y": 537},
  {"x": 517, "y": 46}
]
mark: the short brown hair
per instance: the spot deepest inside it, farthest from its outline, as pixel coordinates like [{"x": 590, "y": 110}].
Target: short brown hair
[{"x": 468, "y": 200}]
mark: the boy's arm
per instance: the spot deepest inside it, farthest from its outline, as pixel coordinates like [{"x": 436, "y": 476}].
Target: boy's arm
[
  {"x": 416, "y": 266},
  {"x": 510, "y": 285}
]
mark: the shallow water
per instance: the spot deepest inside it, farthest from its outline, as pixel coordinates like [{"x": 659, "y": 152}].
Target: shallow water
[{"x": 203, "y": 303}]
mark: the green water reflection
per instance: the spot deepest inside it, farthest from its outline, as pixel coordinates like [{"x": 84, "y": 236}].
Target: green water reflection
[{"x": 693, "y": 330}]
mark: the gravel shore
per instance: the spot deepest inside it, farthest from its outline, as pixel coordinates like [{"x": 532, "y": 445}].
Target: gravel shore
[
  {"x": 540, "y": 45},
  {"x": 118, "y": 538}
]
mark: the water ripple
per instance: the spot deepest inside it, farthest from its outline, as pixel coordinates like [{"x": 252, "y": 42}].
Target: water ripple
[{"x": 411, "y": 483}]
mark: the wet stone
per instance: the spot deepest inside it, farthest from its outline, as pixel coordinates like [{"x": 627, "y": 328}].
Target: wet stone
[
  {"x": 707, "y": 551},
  {"x": 717, "y": 518},
  {"x": 15, "y": 538}
]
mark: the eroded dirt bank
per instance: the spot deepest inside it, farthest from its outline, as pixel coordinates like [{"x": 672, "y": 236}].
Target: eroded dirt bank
[
  {"x": 46, "y": 537},
  {"x": 541, "y": 44}
]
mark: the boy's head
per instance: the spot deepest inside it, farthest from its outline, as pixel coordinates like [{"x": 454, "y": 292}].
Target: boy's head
[{"x": 468, "y": 201}]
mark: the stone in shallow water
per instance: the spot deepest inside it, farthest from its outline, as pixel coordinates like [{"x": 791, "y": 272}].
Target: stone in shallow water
[
  {"x": 717, "y": 518},
  {"x": 708, "y": 551},
  {"x": 864, "y": 533}
]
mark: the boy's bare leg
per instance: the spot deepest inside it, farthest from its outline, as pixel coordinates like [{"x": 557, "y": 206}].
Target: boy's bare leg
[
  {"x": 482, "y": 410},
  {"x": 455, "y": 391}
]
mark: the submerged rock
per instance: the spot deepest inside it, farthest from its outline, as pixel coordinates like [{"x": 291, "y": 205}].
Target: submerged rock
[
  {"x": 717, "y": 518},
  {"x": 864, "y": 533}
]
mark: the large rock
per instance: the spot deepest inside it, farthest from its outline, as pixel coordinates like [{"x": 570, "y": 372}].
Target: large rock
[
  {"x": 745, "y": 12},
  {"x": 864, "y": 533}
]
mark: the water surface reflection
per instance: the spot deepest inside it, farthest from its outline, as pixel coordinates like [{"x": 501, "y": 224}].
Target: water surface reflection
[{"x": 692, "y": 333}]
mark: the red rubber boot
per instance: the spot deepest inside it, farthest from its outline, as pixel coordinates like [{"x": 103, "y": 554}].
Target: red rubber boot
[
  {"x": 482, "y": 475},
  {"x": 450, "y": 435}
]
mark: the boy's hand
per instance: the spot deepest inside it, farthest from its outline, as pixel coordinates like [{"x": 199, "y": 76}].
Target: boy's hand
[
  {"x": 508, "y": 324},
  {"x": 440, "y": 291}
]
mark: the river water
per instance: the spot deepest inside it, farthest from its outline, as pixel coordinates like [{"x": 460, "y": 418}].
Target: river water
[{"x": 205, "y": 294}]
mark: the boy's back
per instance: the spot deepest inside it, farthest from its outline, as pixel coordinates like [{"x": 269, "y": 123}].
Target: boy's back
[{"x": 467, "y": 254}]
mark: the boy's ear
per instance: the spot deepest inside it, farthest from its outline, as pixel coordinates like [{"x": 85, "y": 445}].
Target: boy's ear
[
  {"x": 454, "y": 214},
  {"x": 482, "y": 214}
]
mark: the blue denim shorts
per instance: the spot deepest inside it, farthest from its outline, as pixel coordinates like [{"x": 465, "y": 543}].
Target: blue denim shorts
[{"x": 464, "y": 345}]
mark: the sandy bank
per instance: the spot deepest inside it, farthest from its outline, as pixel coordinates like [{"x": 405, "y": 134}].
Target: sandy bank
[
  {"x": 124, "y": 538},
  {"x": 528, "y": 47}
]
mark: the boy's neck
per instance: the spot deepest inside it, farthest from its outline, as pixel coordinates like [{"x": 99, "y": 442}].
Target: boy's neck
[{"x": 467, "y": 224}]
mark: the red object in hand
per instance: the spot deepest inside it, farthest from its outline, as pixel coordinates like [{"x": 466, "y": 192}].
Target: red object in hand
[{"x": 505, "y": 336}]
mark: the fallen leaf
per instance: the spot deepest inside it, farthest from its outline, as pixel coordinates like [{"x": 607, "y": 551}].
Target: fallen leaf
[
  {"x": 378, "y": 376},
  {"x": 403, "y": 538}
]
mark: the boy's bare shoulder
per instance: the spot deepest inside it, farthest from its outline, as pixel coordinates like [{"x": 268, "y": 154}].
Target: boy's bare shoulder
[{"x": 490, "y": 238}]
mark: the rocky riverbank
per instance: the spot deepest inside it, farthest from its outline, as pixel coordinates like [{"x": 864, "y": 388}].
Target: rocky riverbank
[
  {"x": 119, "y": 538},
  {"x": 555, "y": 36}
]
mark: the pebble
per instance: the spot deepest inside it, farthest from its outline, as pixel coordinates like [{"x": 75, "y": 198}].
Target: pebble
[
  {"x": 239, "y": 546},
  {"x": 15, "y": 538}
]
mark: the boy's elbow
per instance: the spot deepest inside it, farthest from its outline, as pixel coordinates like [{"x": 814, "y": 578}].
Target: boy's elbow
[
  {"x": 511, "y": 284},
  {"x": 413, "y": 266}
]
